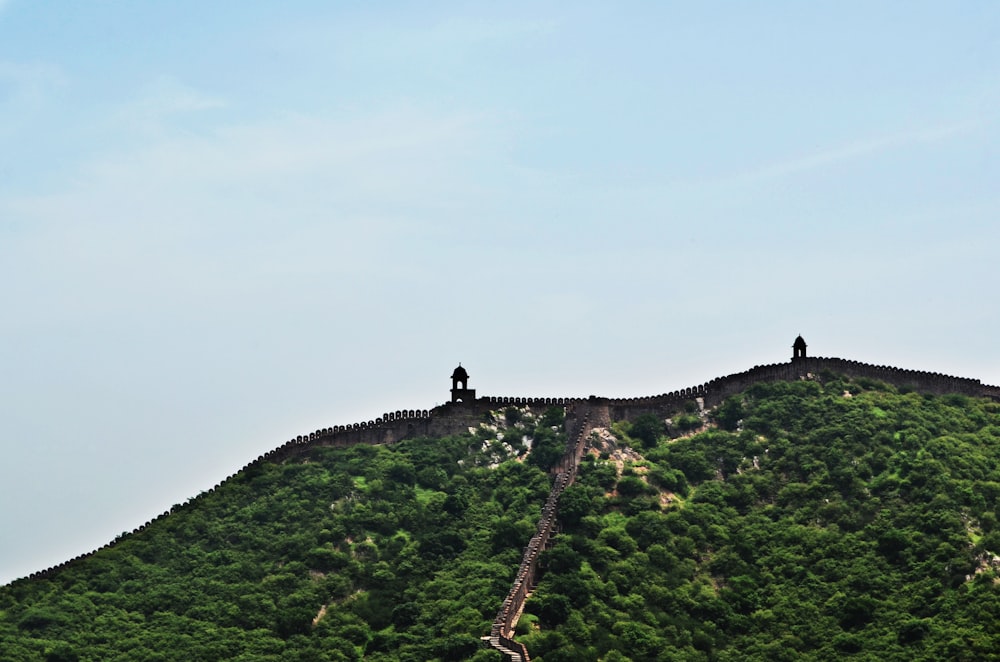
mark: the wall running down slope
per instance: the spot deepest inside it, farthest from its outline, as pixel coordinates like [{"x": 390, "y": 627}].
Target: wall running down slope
[
  {"x": 501, "y": 634},
  {"x": 457, "y": 417}
]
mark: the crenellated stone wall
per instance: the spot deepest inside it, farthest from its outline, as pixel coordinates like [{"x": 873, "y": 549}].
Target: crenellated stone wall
[{"x": 457, "y": 417}]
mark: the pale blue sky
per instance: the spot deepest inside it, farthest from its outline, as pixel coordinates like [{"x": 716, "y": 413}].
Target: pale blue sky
[{"x": 225, "y": 224}]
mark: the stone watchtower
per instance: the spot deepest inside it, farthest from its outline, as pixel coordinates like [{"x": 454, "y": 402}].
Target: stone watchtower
[
  {"x": 460, "y": 391},
  {"x": 799, "y": 349}
]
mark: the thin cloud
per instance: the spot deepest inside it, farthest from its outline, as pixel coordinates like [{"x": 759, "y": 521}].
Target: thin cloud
[
  {"x": 29, "y": 80},
  {"x": 345, "y": 192},
  {"x": 855, "y": 150},
  {"x": 468, "y": 30},
  {"x": 166, "y": 97}
]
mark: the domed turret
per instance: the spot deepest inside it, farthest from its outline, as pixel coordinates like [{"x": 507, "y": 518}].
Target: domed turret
[
  {"x": 460, "y": 391},
  {"x": 799, "y": 349}
]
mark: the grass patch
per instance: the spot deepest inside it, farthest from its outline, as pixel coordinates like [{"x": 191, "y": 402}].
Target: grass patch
[{"x": 424, "y": 494}]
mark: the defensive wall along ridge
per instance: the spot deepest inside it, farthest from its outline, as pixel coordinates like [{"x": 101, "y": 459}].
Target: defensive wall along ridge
[
  {"x": 465, "y": 411},
  {"x": 457, "y": 416}
]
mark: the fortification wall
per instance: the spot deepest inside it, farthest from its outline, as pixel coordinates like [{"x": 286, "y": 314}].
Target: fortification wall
[
  {"x": 455, "y": 418},
  {"x": 714, "y": 392},
  {"x": 447, "y": 419},
  {"x": 934, "y": 383},
  {"x": 502, "y": 632}
]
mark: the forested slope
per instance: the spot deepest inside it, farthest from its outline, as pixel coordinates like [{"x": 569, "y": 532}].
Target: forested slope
[
  {"x": 826, "y": 521},
  {"x": 808, "y": 520},
  {"x": 391, "y": 553}
]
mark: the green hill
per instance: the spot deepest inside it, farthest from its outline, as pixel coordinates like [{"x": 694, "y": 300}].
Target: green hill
[
  {"x": 822, "y": 519},
  {"x": 399, "y": 552},
  {"x": 818, "y": 521}
]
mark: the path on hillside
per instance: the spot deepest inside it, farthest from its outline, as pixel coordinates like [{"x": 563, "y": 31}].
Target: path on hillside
[{"x": 578, "y": 425}]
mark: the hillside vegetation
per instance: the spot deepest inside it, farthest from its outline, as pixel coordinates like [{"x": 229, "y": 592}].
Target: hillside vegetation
[
  {"x": 823, "y": 520},
  {"x": 387, "y": 553},
  {"x": 827, "y": 522}
]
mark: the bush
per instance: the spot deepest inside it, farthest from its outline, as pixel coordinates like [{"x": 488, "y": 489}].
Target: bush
[
  {"x": 631, "y": 486},
  {"x": 546, "y": 449},
  {"x": 669, "y": 479},
  {"x": 61, "y": 652},
  {"x": 553, "y": 417},
  {"x": 729, "y": 414},
  {"x": 687, "y": 422},
  {"x": 648, "y": 429}
]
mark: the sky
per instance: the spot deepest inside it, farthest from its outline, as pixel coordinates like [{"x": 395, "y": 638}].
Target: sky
[{"x": 226, "y": 224}]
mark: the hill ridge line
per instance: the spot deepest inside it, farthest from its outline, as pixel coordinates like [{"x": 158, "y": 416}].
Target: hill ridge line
[{"x": 457, "y": 417}]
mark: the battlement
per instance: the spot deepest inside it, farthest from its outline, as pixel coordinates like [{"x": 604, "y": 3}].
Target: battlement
[{"x": 467, "y": 411}]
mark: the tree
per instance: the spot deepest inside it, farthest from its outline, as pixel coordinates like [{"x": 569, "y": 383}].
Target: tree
[{"x": 648, "y": 429}]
